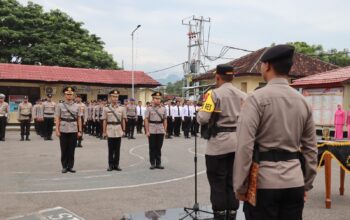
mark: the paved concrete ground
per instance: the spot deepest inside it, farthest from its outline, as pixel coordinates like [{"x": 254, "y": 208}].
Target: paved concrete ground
[{"x": 31, "y": 180}]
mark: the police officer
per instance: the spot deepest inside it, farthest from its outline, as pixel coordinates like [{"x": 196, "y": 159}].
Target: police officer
[
  {"x": 223, "y": 105},
  {"x": 278, "y": 120},
  {"x": 90, "y": 110},
  {"x": 49, "y": 114},
  {"x": 177, "y": 118},
  {"x": 131, "y": 118},
  {"x": 25, "y": 117},
  {"x": 140, "y": 115},
  {"x": 113, "y": 129},
  {"x": 4, "y": 111},
  {"x": 187, "y": 114},
  {"x": 155, "y": 127},
  {"x": 38, "y": 116},
  {"x": 96, "y": 118},
  {"x": 170, "y": 126},
  {"x": 83, "y": 112},
  {"x": 68, "y": 128}
]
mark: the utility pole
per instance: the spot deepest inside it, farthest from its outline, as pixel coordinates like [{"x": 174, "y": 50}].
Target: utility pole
[
  {"x": 132, "y": 62},
  {"x": 195, "y": 33}
]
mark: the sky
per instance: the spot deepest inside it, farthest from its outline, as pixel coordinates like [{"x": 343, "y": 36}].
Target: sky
[{"x": 162, "y": 40}]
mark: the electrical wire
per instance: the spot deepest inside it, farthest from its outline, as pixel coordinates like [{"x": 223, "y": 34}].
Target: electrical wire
[{"x": 166, "y": 68}]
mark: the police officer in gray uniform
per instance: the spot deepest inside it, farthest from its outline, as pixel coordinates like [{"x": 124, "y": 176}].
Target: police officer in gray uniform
[
  {"x": 68, "y": 128},
  {"x": 25, "y": 117},
  {"x": 113, "y": 129},
  {"x": 131, "y": 118},
  {"x": 155, "y": 127},
  {"x": 223, "y": 105},
  {"x": 278, "y": 121},
  {"x": 4, "y": 111},
  {"x": 49, "y": 114}
]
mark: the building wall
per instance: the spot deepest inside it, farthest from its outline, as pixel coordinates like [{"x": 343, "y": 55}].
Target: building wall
[{"x": 92, "y": 92}]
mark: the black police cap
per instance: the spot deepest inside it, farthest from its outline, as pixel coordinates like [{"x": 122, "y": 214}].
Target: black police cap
[
  {"x": 114, "y": 92},
  {"x": 68, "y": 90},
  {"x": 156, "y": 94},
  {"x": 279, "y": 52},
  {"x": 224, "y": 69}
]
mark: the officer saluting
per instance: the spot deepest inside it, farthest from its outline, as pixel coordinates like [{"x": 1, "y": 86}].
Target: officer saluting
[
  {"x": 4, "y": 111},
  {"x": 278, "y": 120},
  {"x": 68, "y": 128},
  {"x": 49, "y": 114},
  {"x": 113, "y": 128},
  {"x": 25, "y": 117},
  {"x": 155, "y": 127},
  {"x": 221, "y": 110}
]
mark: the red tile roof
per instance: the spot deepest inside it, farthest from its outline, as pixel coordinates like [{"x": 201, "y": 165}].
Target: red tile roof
[
  {"x": 249, "y": 65},
  {"x": 55, "y": 74},
  {"x": 336, "y": 76}
]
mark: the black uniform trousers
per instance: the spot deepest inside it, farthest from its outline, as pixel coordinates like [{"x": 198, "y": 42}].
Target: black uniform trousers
[
  {"x": 25, "y": 127},
  {"x": 80, "y": 139},
  {"x": 219, "y": 173},
  {"x": 68, "y": 142},
  {"x": 48, "y": 127},
  {"x": 177, "y": 126},
  {"x": 131, "y": 126},
  {"x": 89, "y": 126},
  {"x": 139, "y": 124},
  {"x": 3, "y": 122},
  {"x": 155, "y": 148},
  {"x": 194, "y": 126},
  {"x": 170, "y": 126},
  {"x": 277, "y": 204},
  {"x": 187, "y": 125},
  {"x": 98, "y": 129},
  {"x": 127, "y": 129},
  {"x": 113, "y": 151}
]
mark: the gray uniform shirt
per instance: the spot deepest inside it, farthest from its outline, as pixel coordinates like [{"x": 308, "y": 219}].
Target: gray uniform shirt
[
  {"x": 49, "y": 109},
  {"x": 63, "y": 113},
  {"x": 114, "y": 131},
  {"x": 83, "y": 111},
  {"x": 276, "y": 117},
  {"x": 24, "y": 111},
  {"x": 37, "y": 111},
  {"x": 151, "y": 115},
  {"x": 4, "y": 109},
  {"x": 131, "y": 111},
  {"x": 228, "y": 99}
]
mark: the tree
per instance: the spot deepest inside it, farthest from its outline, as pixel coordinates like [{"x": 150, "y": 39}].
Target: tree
[
  {"x": 175, "y": 88},
  {"x": 340, "y": 58},
  {"x": 29, "y": 35}
]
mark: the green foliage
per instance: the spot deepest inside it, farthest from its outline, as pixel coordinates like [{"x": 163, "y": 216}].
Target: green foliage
[
  {"x": 175, "y": 88},
  {"x": 50, "y": 38},
  {"x": 340, "y": 58}
]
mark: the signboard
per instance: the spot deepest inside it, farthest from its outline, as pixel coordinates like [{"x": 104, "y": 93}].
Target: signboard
[
  {"x": 14, "y": 101},
  {"x": 324, "y": 104}
]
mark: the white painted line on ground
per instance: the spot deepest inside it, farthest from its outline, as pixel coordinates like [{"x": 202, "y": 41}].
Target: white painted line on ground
[
  {"x": 131, "y": 152},
  {"x": 105, "y": 188}
]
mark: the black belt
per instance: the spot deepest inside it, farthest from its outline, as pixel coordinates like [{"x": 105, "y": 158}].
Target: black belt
[
  {"x": 278, "y": 155},
  {"x": 68, "y": 120},
  {"x": 226, "y": 129},
  {"x": 26, "y": 115},
  {"x": 131, "y": 117},
  {"x": 49, "y": 113},
  {"x": 156, "y": 122},
  {"x": 113, "y": 123}
]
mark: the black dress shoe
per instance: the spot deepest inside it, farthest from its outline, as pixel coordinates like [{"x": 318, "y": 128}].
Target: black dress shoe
[
  {"x": 110, "y": 169},
  {"x": 152, "y": 167},
  {"x": 22, "y": 138},
  {"x": 133, "y": 138},
  {"x": 71, "y": 170},
  {"x": 160, "y": 167},
  {"x": 27, "y": 139},
  {"x": 3, "y": 139},
  {"x": 117, "y": 168},
  {"x": 64, "y": 170}
]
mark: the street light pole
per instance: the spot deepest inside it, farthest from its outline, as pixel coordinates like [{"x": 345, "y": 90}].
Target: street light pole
[{"x": 132, "y": 62}]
